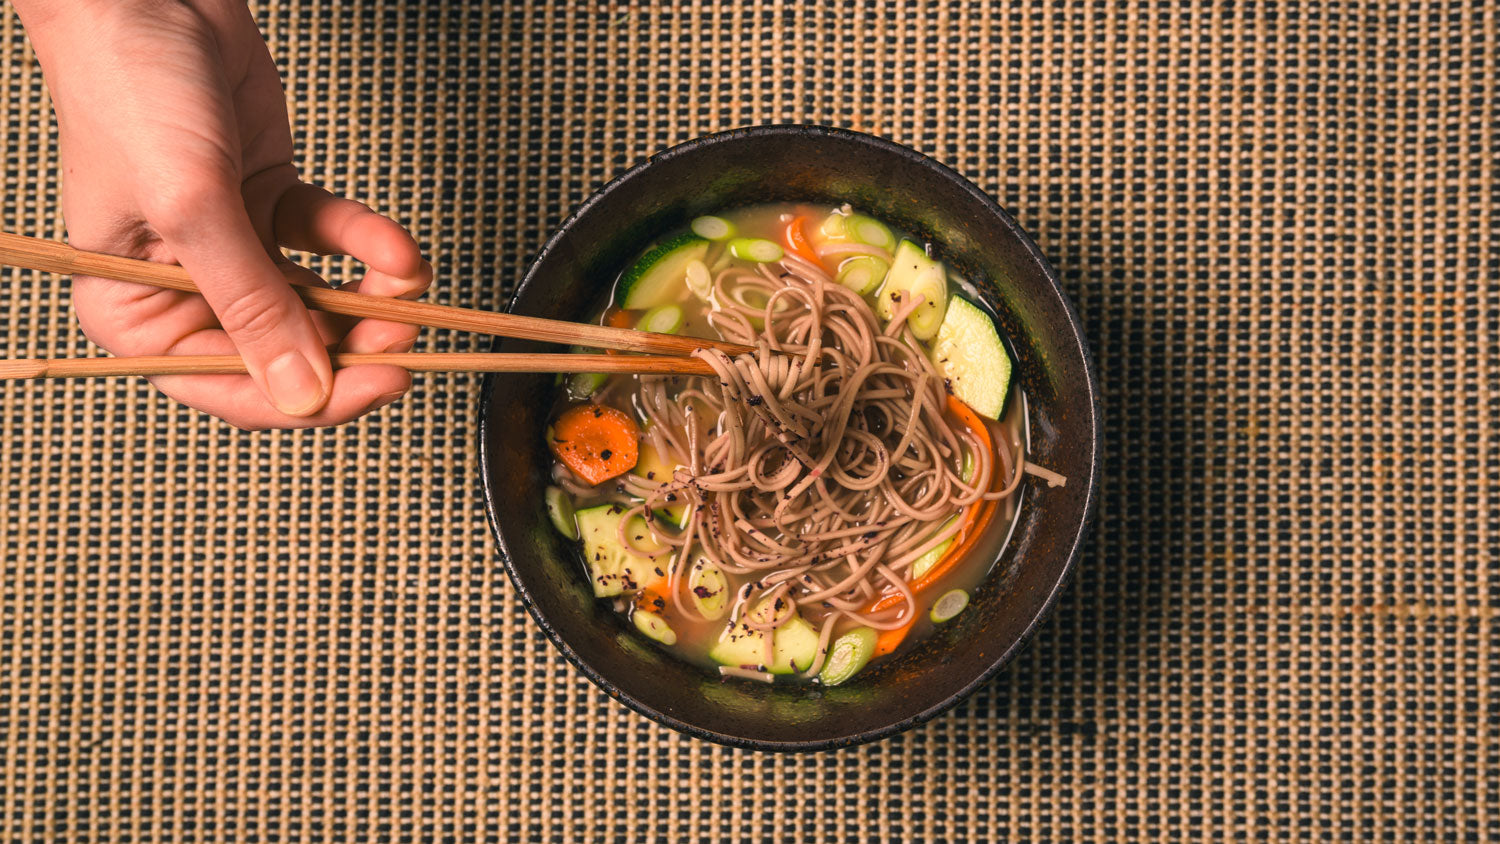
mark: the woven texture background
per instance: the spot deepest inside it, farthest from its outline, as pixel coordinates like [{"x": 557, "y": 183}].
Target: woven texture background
[{"x": 1278, "y": 221}]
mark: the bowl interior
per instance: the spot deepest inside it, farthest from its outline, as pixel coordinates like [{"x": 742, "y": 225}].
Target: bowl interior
[{"x": 969, "y": 230}]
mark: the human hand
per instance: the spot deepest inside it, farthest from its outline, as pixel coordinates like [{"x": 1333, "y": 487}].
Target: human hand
[{"x": 176, "y": 148}]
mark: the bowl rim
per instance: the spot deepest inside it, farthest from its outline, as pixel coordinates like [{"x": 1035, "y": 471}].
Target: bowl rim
[{"x": 1090, "y": 386}]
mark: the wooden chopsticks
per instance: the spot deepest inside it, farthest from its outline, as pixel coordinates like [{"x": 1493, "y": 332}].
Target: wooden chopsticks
[
  {"x": 414, "y": 362},
  {"x": 53, "y": 256}
]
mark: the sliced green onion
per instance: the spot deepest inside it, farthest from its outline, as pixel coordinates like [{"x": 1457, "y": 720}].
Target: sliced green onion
[
  {"x": 921, "y": 564},
  {"x": 713, "y": 228},
  {"x": 755, "y": 249},
  {"x": 584, "y": 384},
  {"x": 873, "y": 232},
  {"x": 666, "y": 319},
  {"x": 847, "y": 655},
  {"x": 709, "y": 588},
  {"x": 836, "y": 227},
  {"x": 581, "y": 385},
  {"x": 952, "y": 603},
  {"x": 699, "y": 279},
  {"x": 560, "y": 511},
  {"x": 863, "y": 273},
  {"x": 654, "y": 626},
  {"x": 970, "y": 467}
]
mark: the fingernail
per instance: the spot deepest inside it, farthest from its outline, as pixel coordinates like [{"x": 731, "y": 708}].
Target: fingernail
[
  {"x": 295, "y": 387},
  {"x": 417, "y": 284},
  {"x": 400, "y": 346},
  {"x": 384, "y": 399}
]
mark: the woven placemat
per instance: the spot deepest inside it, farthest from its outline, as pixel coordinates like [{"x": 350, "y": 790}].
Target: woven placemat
[{"x": 1278, "y": 221}]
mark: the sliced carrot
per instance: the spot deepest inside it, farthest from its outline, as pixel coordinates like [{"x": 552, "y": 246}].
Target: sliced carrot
[
  {"x": 596, "y": 442},
  {"x": 796, "y": 240},
  {"x": 971, "y": 420},
  {"x": 889, "y": 640},
  {"x": 979, "y": 514},
  {"x": 652, "y": 599},
  {"x": 618, "y": 318},
  {"x": 971, "y": 527}
]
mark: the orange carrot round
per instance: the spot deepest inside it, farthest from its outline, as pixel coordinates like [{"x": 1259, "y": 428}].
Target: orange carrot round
[{"x": 597, "y": 442}]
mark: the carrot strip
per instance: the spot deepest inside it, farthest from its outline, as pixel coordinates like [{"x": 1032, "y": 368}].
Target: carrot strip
[
  {"x": 652, "y": 599},
  {"x": 980, "y": 513},
  {"x": 796, "y": 241},
  {"x": 596, "y": 442},
  {"x": 889, "y": 640},
  {"x": 619, "y": 318},
  {"x": 973, "y": 524}
]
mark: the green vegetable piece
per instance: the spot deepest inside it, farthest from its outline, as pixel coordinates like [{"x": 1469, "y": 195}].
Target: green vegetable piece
[
  {"x": 666, "y": 319},
  {"x": 952, "y": 603},
  {"x": 836, "y": 227},
  {"x": 713, "y": 228},
  {"x": 614, "y": 570},
  {"x": 560, "y": 511},
  {"x": 871, "y": 231},
  {"x": 913, "y": 273},
  {"x": 755, "y": 249},
  {"x": 654, "y": 626},
  {"x": 581, "y": 385},
  {"x": 862, "y": 273},
  {"x": 922, "y": 564},
  {"x": 699, "y": 279},
  {"x": 847, "y": 655},
  {"x": 709, "y": 589},
  {"x": 661, "y": 274},
  {"x": 793, "y": 646},
  {"x": 972, "y": 360}
]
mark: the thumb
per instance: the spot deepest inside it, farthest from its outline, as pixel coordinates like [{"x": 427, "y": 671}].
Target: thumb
[{"x": 210, "y": 234}]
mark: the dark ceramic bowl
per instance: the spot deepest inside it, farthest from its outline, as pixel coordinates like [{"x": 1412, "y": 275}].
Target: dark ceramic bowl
[{"x": 969, "y": 230}]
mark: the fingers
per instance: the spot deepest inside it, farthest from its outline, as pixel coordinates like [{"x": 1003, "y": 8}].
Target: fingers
[
  {"x": 204, "y": 222},
  {"x": 356, "y": 391},
  {"x": 311, "y": 219},
  {"x": 374, "y": 335}
]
